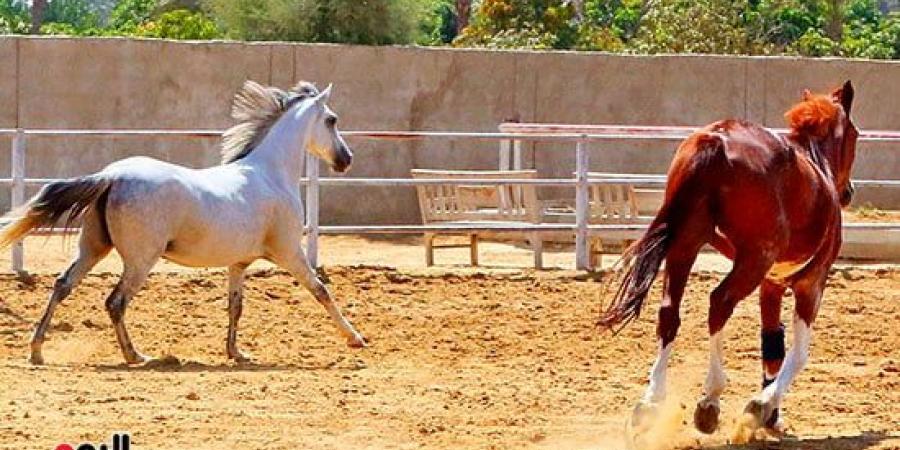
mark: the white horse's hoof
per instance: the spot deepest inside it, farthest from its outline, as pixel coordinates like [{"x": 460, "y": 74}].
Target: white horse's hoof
[
  {"x": 240, "y": 357},
  {"x": 139, "y": 359},
  {"x": 36, "y": 359},
  {"x": 357, "y": 342}
]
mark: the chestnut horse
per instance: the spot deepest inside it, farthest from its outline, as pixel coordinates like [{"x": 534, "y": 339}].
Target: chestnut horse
[{"x": 772, "y": 204}]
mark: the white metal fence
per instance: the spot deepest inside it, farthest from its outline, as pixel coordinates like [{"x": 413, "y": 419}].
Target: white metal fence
[{"x": 508, "y": 140}]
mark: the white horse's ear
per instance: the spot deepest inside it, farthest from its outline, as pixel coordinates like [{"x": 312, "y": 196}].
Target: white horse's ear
[{"x": 324, "y": 95}]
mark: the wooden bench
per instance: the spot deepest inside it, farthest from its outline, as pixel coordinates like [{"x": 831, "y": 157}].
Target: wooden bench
[
  {"x": 626, "y": 203},
  {"x": 458, "y": 203}
]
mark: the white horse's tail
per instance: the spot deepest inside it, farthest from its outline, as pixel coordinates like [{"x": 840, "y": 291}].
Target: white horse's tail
[{"x": 69, "y": 199}]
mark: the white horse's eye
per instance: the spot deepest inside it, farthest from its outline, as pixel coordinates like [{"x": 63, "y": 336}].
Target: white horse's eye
[{"x": 331, "y": 121}]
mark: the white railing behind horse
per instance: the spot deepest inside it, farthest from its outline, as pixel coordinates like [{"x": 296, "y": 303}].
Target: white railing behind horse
[{"x": 510, "y": 141}]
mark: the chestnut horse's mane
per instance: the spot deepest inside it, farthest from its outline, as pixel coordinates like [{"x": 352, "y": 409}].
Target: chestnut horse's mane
[{"x": 814, "y": 116}]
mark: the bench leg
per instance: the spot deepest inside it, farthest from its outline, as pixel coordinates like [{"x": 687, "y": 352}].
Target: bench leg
[
  {"x": 537, "y": 246},
  {"x": 429, "y": 249},
  {"x": 473, "y": 249}
]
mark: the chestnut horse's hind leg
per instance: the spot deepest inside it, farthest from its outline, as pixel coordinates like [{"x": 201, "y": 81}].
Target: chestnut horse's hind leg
[
  {"x": 749, "y": 269},
  {"x": 678, "y": 268},
  {"x": 808, "y": 296}
]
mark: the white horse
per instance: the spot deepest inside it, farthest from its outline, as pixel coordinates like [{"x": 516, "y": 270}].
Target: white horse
[{"x": 229, "y": 215}]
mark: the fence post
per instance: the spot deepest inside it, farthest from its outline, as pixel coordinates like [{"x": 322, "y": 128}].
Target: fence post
[
  {"x": 582, "y": 252},
  {"x": 517, "y": 155},
  {"x": 503, "y": 155},
  {"x": 312, "y": 210},
  {"x": 17, "y": 193}
]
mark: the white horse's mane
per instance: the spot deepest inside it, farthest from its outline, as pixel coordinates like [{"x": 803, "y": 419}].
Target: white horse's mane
[{"x": 257, "y": 108}]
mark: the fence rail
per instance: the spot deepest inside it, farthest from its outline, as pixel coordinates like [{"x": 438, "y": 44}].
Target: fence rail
[{"x": 509, "y": 138}]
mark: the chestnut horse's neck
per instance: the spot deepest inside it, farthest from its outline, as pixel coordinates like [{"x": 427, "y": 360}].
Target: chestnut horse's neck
[{"x": 818, "y": 153}]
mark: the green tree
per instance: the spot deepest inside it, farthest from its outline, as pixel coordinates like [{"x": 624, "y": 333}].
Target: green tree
[
  {"x": 702, "y": 26},
  {"x": 127, "y": 15},
  {"x": 13, "y": 17},
  {"x": 372, "y": 22},
  {"x": 440, "y": 22},
  {"x": 77, "y": 14},
  {"x": 521, "y": 23},
  {"x": 815, "y": 43},
  {"x": 179, "y": 24}
]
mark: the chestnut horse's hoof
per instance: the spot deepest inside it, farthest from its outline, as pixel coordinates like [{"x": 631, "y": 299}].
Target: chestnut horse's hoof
[
  {"x": 756, "y": 409},
  {"x": 772, "y": 423},
  {"x": 644, "y": 415},
  {"x": 706, "y": 417},
  {"x": 642, "y": 419}
]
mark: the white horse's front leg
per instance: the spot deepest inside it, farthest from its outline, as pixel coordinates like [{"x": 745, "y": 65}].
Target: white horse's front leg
[
  {"x": 296, "y": 263},
  {"x": 235, "y": 307}
]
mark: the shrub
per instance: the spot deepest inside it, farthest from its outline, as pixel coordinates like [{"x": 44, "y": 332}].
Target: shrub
[{"x": 179, "y": 24}]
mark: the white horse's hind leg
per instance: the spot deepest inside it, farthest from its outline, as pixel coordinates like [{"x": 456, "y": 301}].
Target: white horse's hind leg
[
  {"x": 132, "y": 279},
  {"x": 296, "y": 264},
  {"x": 92, "y": 247},
  {"x": 235, "y": 307}
]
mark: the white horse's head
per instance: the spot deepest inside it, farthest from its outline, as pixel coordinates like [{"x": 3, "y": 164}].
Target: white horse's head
[
  {"x": 309, "y": 125},
  {"x": 325, "y": 141}
]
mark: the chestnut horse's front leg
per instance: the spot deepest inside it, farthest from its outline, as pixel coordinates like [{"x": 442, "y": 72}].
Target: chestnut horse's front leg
[
  {"x": 771, "y": 338},
  {"x": 808, "y": 293}
]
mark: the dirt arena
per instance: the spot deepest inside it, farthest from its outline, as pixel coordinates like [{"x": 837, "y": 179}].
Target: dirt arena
[{"x": 458, "y": 358}]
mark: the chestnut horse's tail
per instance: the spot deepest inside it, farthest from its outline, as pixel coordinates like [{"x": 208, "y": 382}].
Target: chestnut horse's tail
[
  {"x": 639, "y": 266},
  {"x": 640, "y": 263}
]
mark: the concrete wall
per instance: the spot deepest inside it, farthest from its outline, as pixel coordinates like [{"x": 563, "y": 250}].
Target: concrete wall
[{"x": 122, "y": 83}]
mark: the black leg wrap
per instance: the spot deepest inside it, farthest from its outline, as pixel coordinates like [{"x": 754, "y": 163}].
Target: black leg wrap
[
  {"x": 772, "y": 350},
  {"x": 773, "y": 344},
  {"x": 773, "y": 419}
]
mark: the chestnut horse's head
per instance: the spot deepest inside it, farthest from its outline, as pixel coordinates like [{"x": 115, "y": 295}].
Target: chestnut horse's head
[{"x": 824, "y": 121}]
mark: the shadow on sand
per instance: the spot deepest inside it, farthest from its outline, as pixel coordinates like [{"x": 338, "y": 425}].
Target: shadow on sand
[
  {"x": 173, "y": 364},
  {"x": 864, "y": 440}
]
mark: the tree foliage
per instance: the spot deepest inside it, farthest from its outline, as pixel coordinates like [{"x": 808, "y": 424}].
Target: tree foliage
[
  {"x": 371, "y": 22},
  {"x": 142, "y": 18},
  {"x": 848, "y": 28},
  {"x": 179, "y": 24},
  {"x": 851, "y": 28},
  {"x": 14, "y": 18}
]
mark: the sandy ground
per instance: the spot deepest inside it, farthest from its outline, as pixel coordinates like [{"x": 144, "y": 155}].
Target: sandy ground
[
  {"x": 52, "y": 254},
  {"x": 497, "y": 358}
]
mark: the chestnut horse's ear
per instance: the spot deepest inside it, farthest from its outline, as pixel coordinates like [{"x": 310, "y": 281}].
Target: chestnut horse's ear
[
  {"x": 806, "y": 95},
  {"x": 844, "y": 95}
]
